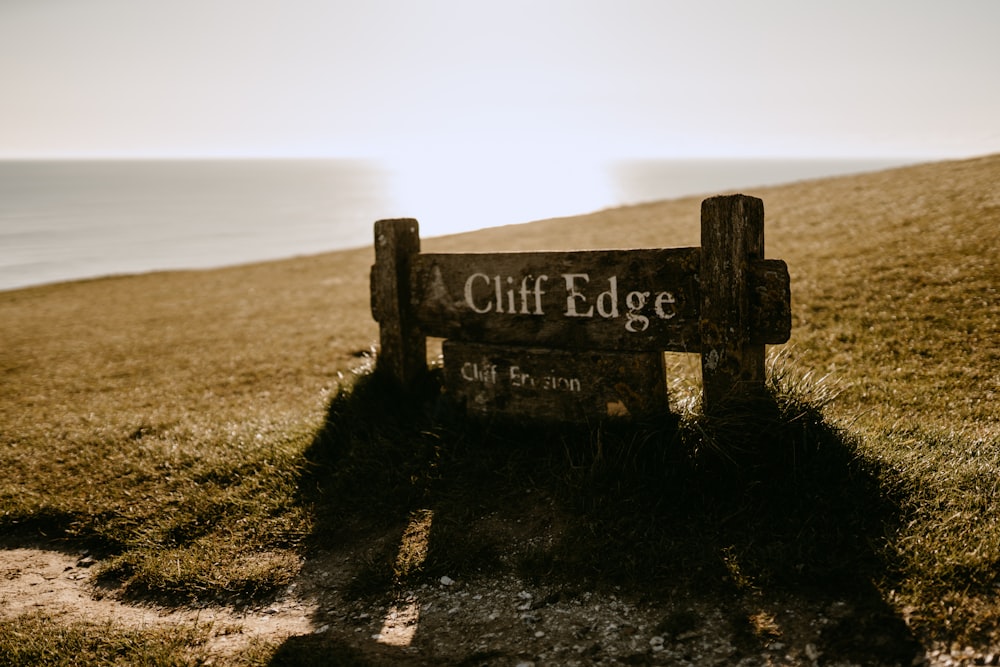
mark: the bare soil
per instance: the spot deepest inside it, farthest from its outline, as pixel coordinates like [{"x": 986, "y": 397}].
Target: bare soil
[{"x": 488, "y": 621}]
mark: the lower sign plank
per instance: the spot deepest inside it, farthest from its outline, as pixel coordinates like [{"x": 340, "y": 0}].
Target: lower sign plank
[{"x": 554, "y": 385}]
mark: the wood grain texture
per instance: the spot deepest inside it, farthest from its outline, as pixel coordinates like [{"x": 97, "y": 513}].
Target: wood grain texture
[
  {"x": 403, "y": 347},
  {"x": 732, "y": 236},
  {"x": 634, "y": 300}
]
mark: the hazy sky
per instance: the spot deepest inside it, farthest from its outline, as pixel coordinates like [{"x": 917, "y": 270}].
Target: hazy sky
[{"x": 499, "y": 80}]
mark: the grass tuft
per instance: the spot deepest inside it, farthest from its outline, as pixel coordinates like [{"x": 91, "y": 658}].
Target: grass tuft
[{"x": 36, "y": 640}]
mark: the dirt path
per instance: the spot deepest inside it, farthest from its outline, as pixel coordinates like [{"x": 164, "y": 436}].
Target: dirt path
[
  {"x": 502, "y": 620},
  {"x": 60, "y": 586}
]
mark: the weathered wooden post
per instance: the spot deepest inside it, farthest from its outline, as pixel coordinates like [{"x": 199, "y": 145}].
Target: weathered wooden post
[
  {"x": 403, "y": 348},
  {"x": 732, "y": 236}
]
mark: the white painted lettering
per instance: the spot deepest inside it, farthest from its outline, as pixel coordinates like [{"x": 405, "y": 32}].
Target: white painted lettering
[
  {"x": 560, "y": 383},
  {"x": 468, "y": 293},
  {"x": 468, "y": 371},
  {"x": 607, "y": 302},
  {"x": 510, "y": 296},
  {"x": 522, "y": 295},
  {"x": 519, "y": 378},
  {"x": 572, "y": 294},
  {"x": 496, "y": 283},
  {"x": 665, "y": 298},
  {"x": 472, "y": 372},
  {"x": 538, "y": 293},
  {"x": 634, "y": 321}
]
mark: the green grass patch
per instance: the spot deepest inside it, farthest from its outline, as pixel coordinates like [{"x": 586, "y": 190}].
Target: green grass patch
[
  {"x": 38, "y": 641},
  {"x": 186, "y": 523}
]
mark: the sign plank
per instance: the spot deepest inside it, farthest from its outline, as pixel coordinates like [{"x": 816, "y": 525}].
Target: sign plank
[
  {"x": 550, "y": 384},
  {"x": 629, "y": 300}
]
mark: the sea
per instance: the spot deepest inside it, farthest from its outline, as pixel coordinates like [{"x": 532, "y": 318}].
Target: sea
[{"x": 65, "y": 220}]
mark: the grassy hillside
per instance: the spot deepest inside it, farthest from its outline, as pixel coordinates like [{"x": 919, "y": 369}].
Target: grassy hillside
[{"x": 197, "y": 430}]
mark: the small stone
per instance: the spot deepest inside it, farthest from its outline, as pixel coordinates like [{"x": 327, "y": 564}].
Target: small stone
[
  {"x": 321, "y": 629},
  {"x": 86, "y": 561},
  {"x": 447, "y": 581},
  {"x": 812, "y": 652},
  {"x": 656, "y": 641},
  {"x": 539, "y": 634}
]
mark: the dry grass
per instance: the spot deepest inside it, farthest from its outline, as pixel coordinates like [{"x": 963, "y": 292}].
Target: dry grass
[{"x": 164, "y": 419}]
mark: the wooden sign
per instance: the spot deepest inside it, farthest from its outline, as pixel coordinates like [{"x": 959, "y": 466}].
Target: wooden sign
[
  {"x": 548, "y": 384},
  {"x": 722, "y": 300}
]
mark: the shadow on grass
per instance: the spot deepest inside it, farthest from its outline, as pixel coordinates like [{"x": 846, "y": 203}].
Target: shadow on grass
[{"x": 768, "y": 504}]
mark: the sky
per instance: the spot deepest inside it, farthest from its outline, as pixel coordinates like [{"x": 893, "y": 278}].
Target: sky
[{"x": 481, "y": 90}]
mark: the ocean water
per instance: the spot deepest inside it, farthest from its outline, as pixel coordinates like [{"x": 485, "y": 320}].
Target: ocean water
[
  {"x": 65, "y": 220},
  {"x": 75, "y": 219}
]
